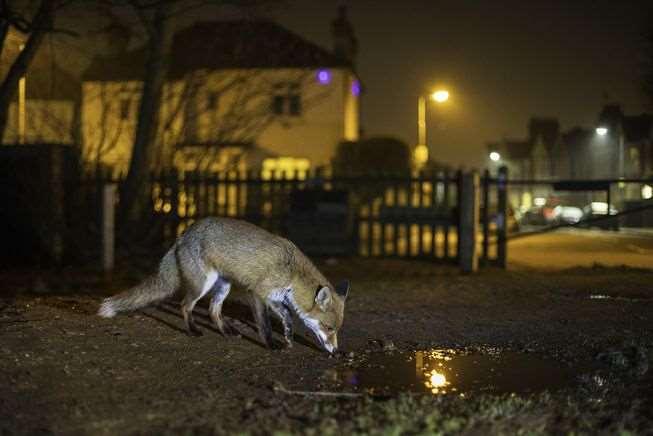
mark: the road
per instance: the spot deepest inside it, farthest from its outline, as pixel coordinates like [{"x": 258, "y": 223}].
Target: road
[{"x": 580, "y": 247}]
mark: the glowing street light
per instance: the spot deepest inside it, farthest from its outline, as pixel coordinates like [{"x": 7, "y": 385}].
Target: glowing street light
[
  {"x": 495, "y": 156},
  {"x": 441, "y": 95},
  {"x": 601, "y": 131}
]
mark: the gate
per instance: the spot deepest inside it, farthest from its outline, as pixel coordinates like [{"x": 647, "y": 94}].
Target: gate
[{"x": 415, "y": 216}]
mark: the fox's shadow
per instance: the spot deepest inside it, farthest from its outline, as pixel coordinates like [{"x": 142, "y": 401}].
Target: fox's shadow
[{"x": 233, "y": 309}]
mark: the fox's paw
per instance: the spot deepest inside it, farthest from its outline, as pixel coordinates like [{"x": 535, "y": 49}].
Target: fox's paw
[{"x": 228, "y": 330}]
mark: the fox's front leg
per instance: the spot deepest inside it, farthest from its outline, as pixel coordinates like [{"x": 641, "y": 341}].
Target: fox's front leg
[
  {"x": 260, "y": 310},
  {"x": 286, "y": 319}
]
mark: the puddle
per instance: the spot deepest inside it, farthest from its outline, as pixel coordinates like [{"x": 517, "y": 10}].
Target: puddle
[{"x": 451, "y": 371}]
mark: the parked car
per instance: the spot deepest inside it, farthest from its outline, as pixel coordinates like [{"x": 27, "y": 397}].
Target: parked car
[
  {"x": 535, "y": 216},
  {"x": 567, "y": 214},
  {"x": 598, "y": 209}
]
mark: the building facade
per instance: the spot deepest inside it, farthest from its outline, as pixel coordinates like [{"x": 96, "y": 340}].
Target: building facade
[{"x": 238, "y": 95}]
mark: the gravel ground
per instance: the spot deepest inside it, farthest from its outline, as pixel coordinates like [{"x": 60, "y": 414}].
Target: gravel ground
[{"x": 66, "y": 371}]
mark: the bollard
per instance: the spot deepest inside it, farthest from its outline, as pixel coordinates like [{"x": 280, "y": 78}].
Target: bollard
[
  {"x": 468, "y": 224},
  {"x": 108, "y": 227}
]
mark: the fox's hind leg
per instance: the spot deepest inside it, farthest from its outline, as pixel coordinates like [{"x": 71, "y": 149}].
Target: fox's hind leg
[
  {"x": 261, "y": 315},
  {"x": 220, "y": 291},
  {"x": 197, "y": 282}
]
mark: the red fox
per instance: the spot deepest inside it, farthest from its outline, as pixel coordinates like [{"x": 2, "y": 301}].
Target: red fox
[{"x": 216, "y": 252}]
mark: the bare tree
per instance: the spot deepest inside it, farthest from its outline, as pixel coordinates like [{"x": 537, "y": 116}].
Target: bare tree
[
  {"x": 36, "y": 28},
  {"x": 154, "y": 18}
]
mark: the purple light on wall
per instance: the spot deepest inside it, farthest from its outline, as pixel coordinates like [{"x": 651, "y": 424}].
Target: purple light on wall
[
  {"x": 355, "y": 88},
  {"x": 323, "y": 77}
]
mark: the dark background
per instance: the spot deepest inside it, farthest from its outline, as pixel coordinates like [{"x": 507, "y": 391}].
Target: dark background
[{"x": 503, "y": 61}]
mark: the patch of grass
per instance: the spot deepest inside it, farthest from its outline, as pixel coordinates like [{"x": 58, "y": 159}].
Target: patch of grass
[{"x": 599, "y": 405}]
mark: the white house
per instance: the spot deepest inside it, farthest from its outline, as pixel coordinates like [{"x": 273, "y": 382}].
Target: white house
[{"x": 239, "y": 95}]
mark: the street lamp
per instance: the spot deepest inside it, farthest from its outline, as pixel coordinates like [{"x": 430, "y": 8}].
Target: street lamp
[
  {"x": 495, "y": 156},
  {"x": 421, "y": 150},
  {"x": 601, "y": 131},
  {"x": 440, "y": 95},
  {"x": 22, "y": 97}
]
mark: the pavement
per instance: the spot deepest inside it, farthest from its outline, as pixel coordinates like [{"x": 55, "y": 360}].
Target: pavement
[{"x": 567, "y": 248}]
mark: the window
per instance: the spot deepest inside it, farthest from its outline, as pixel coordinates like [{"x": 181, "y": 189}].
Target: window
[
  {"x": 212, "y": 101},
  {"x": 287, "y": 99},
  {"x": 285, "y": 167},
  {"x": 278, "y": 104},
  {"x": 124, "y": 108},
  {"x": 295, "y": 105}
]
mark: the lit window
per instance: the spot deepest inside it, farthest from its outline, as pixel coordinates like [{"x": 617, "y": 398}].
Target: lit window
[
  {"x": 288, "y": 167},
  {"x": 647, "y": 192}
]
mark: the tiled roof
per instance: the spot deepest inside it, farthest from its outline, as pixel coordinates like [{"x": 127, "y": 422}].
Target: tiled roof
[{"x": 217, "y": 45}]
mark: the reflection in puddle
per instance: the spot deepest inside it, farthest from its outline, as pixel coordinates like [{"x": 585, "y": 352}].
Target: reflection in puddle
[{"x": 450, "y": 371}]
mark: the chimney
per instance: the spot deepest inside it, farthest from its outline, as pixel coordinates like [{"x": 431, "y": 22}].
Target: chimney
[{"x": 345, "y": 45}]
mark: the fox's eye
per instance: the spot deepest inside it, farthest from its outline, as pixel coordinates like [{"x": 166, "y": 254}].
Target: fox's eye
[{"x": 328, "y": 328}]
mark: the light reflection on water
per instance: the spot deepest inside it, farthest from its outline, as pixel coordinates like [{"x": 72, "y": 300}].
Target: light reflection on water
[{"x": 442, "y": 371}]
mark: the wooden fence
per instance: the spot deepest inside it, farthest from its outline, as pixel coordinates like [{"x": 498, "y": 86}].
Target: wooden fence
[{"x": 377, "y": 215}]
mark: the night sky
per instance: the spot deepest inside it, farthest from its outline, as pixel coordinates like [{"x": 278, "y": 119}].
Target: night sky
[{"x": 503, "y": 61}]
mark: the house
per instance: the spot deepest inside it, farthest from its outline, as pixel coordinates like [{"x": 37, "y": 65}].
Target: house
[
  {"x": 541, "y": 156},
  {"x": 46, "y": 106},
  {"x": 238, "y": 95},
  {"x": 624, "y": 150},
  {"x": 627, "y": 147}
]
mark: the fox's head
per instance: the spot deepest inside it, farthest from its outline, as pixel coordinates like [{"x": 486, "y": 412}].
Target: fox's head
[{"x": 326, "y": 316}]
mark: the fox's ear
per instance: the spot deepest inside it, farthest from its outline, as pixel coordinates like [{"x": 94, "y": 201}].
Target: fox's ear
[
  {"x": 323, "y": 297},
  {"x": 342, "y": 288}
]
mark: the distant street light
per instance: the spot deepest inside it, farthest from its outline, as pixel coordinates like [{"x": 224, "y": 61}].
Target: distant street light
[
  {"x": 421, "y": 152},
  {"x": 601, "y": 131},
  {"x": 494, "y": 156}
]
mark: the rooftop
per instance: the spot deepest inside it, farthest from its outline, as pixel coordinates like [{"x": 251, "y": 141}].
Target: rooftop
[{"x": 215, "y": 45}]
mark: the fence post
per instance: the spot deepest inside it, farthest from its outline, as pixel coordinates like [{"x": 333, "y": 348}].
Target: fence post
[
  {"x": 502, "y": 217},
  {"x": 108, "y": 226},
  {"x": 485, "y": 218},
  {"x": 468, "y": 225}
]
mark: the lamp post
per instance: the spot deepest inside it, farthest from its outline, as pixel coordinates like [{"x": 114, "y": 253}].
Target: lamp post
[
  {"x": 22, "y": 95},
  {"x": 421, "y": 153}
]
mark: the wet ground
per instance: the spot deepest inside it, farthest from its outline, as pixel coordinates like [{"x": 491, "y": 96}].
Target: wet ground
[{"x": 531, "y": 352}]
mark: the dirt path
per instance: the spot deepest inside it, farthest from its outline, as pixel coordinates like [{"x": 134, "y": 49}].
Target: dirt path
[{"x": 66, "y": 371}]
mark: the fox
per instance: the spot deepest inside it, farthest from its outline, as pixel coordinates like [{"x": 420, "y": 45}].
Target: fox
[{"x": 216, "y": 252}]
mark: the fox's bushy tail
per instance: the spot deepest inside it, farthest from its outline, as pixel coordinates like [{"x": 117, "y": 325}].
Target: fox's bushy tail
[{"x": 155, "y": 288}]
